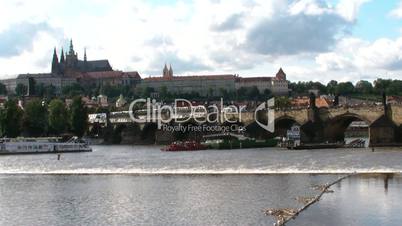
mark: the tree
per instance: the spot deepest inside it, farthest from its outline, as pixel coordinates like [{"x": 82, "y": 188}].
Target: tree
[
  {"x": 11, "y": 119},
  {"x": 282, "y": 102},
  {"x": 345, "y": 88},
  {"x": 58, "y": 118},
  {"x": 395, "y": 88},
  {"x": 253, "y": 93},
  {"x": 78, "y": 117},
  {"x": 364, "y": 87},
  {"x": 241, "y": 93},
  {"x": 332, "y": 87},
  {"x": 163, "y": 94},
  {"x": 3, "y": 89},
  {"x": 147, "y": 92},
  {"x": 267, "y": 93},
  {"x": 35, "y": 121},
  {"x": 21, "y": 89}
]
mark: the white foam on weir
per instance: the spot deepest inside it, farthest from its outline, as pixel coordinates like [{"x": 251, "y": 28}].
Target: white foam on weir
[{"x": 123, "y": 171}]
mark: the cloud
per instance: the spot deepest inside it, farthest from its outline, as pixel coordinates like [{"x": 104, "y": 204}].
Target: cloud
[
  {"x": 159, "y": 40},
  {"x": 295, "y": 34},
  {"x": 349, "y": 9},
  {"x": 397, "y": 12},
  {"x": 20, "y": 37},
  {"x": 307, "y": 37},
  {"x": 233, "y": 22}
]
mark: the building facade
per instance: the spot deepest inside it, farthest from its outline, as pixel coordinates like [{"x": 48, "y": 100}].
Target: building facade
[
  {"x": 278, "y": 85},
  {"x": 214, "y": 84}
]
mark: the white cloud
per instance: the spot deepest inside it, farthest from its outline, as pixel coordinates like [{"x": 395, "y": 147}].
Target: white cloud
[
  {"x": 397, "y": 12},
  {"x": 201, "y": 36},
  {"x": 350, "y": 8}
]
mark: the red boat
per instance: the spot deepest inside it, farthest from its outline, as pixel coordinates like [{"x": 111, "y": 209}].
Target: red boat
[{"x": 185, "y": 146}]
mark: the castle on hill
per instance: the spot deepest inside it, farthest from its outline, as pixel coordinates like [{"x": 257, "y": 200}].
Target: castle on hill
[{"x": 69, "y": 69}]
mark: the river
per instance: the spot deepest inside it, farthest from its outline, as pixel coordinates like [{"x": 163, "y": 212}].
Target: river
[{"x": 140, "y": 185}]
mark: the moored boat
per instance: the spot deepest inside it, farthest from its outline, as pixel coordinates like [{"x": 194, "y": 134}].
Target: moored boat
[{"x": 42, "y": 145}]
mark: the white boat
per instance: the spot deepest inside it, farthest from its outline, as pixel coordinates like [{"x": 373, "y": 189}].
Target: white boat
[{"x": 42, "y": 145}]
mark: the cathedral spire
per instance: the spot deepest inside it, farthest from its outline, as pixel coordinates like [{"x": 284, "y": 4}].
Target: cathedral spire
[
  {"x": 62, "y": 56},
  {"x": 170, "y": 71},
  {"x": 71, "y": 52},
  {"x": 165, "y": 71},
  {"x": 55, "y": 62}
]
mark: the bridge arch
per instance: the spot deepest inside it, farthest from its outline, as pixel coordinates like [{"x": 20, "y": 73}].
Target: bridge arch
[
  {"x": 283, "y": 124},
  {"x": 336, "y": 127}
]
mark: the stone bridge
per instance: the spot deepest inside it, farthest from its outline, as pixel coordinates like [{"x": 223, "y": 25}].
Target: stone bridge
[{"x": 317, "y": 124}]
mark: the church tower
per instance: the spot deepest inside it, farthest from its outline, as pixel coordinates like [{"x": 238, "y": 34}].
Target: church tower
[
  {"x": 71, "y": 59},
  {"x": 55, "y": 63},
  {"x": 165, "y": 72},
  {"x": 170, "y": 72}
]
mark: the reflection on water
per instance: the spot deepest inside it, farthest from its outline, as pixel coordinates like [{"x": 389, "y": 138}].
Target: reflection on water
[
  {"x": 149, "y": 200},
  {"x": 360, "y": 200}
]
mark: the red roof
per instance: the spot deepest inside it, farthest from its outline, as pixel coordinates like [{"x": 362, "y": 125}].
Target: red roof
[
  {"x": 111, "y": 74},
  {"x": 305, "y": 101}
]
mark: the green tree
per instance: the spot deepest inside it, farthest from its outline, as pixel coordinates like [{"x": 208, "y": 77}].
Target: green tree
[
  {"x": 58, "y": 117},
  {"x": 21, "y": 89},
  {"x": 395, "y": 88},
  {"x": 332, "y": 87},
  {"x": 163, "y": 93},
  {"x": 241, "y": 93},
  {"x": 282, "y": 102},
  {"x": 11, "y": 119},
  {"x": 78, "y": 117},
  {"x": 364, "y": 87},
  {"x": 147, "y": 92},
  {"x": 35, "y": 121},
  {"x": 345, "y": 88},
  {"x": 253, "y": 93},
  {"x": 267, "y": 93}
]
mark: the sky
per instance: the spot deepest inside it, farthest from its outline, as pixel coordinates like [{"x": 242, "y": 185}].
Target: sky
[{"x": 318, "y": 40}]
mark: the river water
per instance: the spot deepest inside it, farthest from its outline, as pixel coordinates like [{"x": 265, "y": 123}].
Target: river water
[{"x": 140, "y": 185}]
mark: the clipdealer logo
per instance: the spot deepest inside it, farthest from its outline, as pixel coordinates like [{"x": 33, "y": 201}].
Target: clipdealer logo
[{"x": 162, "y": 115}]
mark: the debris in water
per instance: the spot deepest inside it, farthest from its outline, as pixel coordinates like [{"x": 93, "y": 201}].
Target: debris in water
[
  {"x": 305, "y": 200},
  {"x": 281, "y": 215}
]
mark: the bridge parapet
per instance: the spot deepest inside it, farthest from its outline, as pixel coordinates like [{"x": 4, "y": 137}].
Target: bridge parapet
[
  {"x": 366, "y": 113},
  {"x": 299, "y": 115}
]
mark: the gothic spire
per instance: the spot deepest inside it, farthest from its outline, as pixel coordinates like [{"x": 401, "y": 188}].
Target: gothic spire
[
  {"x": 170, "y": 71},
  {"x": 165, "y": 71},
  {"x": 71, "y": 52},
  {"x": 62, "y": 56},
  {"x": 55, "y": 62}
]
